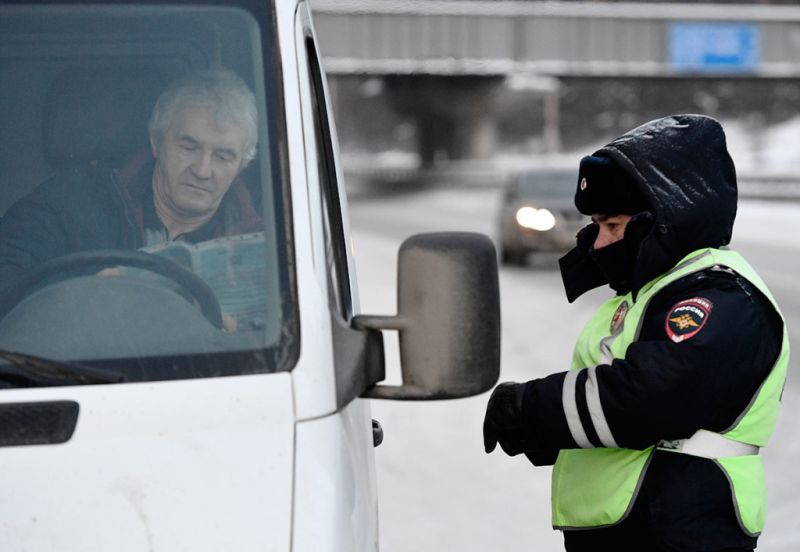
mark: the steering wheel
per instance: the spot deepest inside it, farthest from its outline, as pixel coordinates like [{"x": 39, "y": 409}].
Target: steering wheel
[{"x": 91, "y": 262}]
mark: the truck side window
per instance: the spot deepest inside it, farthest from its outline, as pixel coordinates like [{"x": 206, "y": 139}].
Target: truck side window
[{"x": 335, "y": 251}]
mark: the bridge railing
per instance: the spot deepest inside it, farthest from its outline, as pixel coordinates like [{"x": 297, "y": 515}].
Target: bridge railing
[{"x": 478, "y": 37}]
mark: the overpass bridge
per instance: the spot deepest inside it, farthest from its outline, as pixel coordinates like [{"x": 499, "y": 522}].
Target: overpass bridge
[
  {"x": 455, "y": 55},
  {"x": 474, "y": 37}
]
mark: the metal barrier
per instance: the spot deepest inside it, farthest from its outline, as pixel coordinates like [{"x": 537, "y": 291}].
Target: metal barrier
[{"x": 493, "y": 174}]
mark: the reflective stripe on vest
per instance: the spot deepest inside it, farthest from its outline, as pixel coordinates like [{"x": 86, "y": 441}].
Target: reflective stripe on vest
[
  {"x": 708, "y": 444},
  {"x": 595, "y": 410},
  {"x": 595, "y": 487}
]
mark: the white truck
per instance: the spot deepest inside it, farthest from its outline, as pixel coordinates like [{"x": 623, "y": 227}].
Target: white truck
[{"x": 130, "y": 420}]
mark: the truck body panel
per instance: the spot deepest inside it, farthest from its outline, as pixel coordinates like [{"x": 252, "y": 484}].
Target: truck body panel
[{"x": 201, "y": 464}]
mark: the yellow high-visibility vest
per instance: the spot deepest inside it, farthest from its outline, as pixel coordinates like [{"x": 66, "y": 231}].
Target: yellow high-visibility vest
[{"x": 596, "y": 487}]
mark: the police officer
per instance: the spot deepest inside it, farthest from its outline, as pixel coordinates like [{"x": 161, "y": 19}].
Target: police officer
[{"x": 675, "y": 382}]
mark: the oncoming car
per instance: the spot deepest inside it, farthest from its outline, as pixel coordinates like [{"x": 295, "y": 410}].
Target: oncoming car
[{"x": 537, "y": 214}]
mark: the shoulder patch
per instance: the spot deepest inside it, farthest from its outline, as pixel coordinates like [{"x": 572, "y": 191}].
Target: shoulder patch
[
  {"x": 687, "y": 318},
  {"x": 618, "y": 318}
]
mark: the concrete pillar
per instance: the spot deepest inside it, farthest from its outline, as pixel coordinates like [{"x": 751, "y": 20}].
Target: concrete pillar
[
  {"x": 455, "y": 115},
  {"x": 551, "y": 132},
  {"x": 434, "y": 138},
  {"x": 476, "y": 136}
]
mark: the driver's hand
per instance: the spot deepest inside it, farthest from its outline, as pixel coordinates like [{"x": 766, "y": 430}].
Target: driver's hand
[{"x": 229, "y": 323}]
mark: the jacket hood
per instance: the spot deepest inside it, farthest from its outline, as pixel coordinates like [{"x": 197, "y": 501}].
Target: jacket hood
[{"x": 682, "y": 167}]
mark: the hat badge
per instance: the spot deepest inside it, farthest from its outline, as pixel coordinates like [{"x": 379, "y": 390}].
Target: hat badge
[{"x": 584, "y": 183}]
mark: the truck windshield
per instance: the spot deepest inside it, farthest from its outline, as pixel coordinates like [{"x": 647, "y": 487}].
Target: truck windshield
[{"x": 143, "y": 225}]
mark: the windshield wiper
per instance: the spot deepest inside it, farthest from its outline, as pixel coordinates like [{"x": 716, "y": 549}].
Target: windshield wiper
[{"x": 26, "y": 370}]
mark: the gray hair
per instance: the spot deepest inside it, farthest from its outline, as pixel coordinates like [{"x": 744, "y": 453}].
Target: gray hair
[{"x": 220, "y": 89}]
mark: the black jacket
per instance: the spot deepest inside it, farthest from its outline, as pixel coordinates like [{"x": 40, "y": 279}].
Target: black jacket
[
  {"x": 89, "y": 207},
  {"x": 661, "y": 389}
]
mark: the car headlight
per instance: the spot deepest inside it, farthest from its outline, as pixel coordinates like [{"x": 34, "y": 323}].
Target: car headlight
[{"x": 535, "y": 219}]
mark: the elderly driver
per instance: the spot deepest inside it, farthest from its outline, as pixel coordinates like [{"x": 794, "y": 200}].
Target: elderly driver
[{"x": 203, "y": 133}]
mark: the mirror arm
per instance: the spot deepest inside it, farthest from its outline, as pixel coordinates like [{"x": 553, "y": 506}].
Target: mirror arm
[
  {"x": 374, "y": 322},
  {"x": 400, "y": 393},
  {"x": 397, "y": 392},
  {"x": 405, "y": 392}
]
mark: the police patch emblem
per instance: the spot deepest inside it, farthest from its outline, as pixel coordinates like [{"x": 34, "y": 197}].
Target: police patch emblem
[
  {"x": 687, "y": 318},
  {"x": 618, "y": 318}
]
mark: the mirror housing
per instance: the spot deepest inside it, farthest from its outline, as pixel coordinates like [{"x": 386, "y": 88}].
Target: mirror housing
[{"x": 448, "y": 304}]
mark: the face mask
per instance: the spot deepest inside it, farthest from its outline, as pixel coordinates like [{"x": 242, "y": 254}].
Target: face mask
[
  {"x": 585, "y": 268},
  {"x": 616, "y": 262},
  {"x": 579, "y": 272}
]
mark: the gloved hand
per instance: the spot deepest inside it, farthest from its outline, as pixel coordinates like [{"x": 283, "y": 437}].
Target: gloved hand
[{"x": 503, "y": 422}]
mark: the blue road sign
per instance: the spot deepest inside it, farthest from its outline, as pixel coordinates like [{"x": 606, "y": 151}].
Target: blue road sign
[{"x": 714, "y": 47}]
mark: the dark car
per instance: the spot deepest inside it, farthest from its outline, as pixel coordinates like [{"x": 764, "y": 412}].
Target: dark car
[{"x": 538, "y": 214}]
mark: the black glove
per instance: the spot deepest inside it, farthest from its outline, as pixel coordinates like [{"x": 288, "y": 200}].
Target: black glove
[{"x": 503, "y": 422}]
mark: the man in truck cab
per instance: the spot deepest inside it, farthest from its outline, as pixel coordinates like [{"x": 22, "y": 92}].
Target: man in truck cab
[
  {"x": 676, "y": 381},
  {"x": 202, "y": 134}
]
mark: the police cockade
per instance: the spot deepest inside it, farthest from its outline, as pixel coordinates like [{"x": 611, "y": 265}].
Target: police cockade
[
  {"x": 584, "y": 183},
  {"x": 687, "y": 318}
]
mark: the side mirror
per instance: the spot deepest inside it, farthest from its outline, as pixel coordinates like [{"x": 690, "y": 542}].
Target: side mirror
[{"x": 448, "y": 318}]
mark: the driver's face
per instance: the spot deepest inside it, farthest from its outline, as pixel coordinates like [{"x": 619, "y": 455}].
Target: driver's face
[{"x": 196, "y": 162}]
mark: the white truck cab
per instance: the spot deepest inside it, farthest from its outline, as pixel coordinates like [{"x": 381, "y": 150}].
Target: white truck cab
[{"x": 131, "y": 417}]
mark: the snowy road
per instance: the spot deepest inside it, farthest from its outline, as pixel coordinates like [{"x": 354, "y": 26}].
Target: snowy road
[{"x": 438, "y": 490}]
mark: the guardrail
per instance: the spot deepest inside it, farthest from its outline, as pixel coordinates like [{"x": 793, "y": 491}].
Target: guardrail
[
  {"x": 770, "y": 186},
  {"x": 403, "y": 171}
]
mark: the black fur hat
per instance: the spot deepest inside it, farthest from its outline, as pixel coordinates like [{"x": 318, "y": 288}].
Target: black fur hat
[{"x": 604, "y": 188}]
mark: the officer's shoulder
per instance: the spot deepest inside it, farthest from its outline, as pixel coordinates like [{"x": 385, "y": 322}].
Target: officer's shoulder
[
  {"x": 717, "y": 283},
  {"x": 701, "y": 307},
  {"x": 717, "y": 279},
  {"x": 721, "y": 286}
]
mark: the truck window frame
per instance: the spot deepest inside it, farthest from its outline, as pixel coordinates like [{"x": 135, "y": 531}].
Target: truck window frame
[
  {"x": 335, "y": 246},
  {"x": 358, "y": 353}
]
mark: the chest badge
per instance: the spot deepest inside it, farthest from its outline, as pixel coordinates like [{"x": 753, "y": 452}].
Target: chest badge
[
  {"x": 687, "y": 318},
  {"x": 618, "y": 318}
]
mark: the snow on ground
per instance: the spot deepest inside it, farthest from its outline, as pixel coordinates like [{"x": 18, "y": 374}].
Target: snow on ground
[
  {"x": 768, "y": 223},
  {"x": 764, "y": 150}
]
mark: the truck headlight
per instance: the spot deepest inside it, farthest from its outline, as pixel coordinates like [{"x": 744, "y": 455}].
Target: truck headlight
[{"x": 535, "y": 219}]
